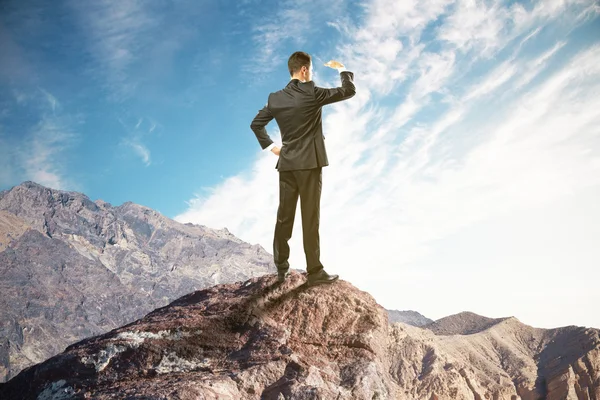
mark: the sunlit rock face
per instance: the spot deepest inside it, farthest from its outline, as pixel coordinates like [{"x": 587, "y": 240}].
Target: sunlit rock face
[
  {"x": 71, "y": 268},
  {"x": 262, "y": 340}
]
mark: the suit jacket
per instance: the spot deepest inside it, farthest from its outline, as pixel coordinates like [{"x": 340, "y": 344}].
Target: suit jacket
[{"x": 297, "y": 110}]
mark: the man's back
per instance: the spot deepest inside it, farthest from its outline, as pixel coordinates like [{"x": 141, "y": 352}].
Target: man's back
[{"x": 297, "y": 110}]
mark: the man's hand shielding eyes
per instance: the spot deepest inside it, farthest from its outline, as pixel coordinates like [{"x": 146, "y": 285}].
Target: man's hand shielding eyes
[{"x": 334, "y": 64}]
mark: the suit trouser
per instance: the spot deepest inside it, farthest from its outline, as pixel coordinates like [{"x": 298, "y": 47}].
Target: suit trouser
[{"x": 305, "y": 183}]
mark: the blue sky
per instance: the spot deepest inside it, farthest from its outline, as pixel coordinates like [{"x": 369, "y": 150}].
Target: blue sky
[{"x": 464, "y": 175}]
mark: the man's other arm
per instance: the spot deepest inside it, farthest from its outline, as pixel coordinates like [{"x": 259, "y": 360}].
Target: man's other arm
[
  {"x": 258, "y": 124},
  {"x": 347, "y": 90}
]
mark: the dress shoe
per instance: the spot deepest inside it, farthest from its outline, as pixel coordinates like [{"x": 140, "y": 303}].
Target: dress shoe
[
  {"x": 281, "y": 275},
  {"x": 321, "y": 277}
]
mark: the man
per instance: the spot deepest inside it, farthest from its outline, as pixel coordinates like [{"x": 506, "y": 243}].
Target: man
[{"x": 297, "y": 110}]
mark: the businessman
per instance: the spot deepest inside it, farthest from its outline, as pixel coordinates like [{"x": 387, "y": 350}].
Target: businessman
[{"x": 297, "y": 110}]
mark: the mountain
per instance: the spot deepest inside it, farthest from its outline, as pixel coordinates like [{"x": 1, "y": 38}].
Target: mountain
[
  {"x": 408, "y": 317},
  {"x": 260, "y": 340},
  {"x": 71, "y": 268},
  {"x": 464, "y": 323}
]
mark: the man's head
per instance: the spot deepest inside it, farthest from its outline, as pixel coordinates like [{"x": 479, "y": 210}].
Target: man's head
[{"x": 300, "y": 66}]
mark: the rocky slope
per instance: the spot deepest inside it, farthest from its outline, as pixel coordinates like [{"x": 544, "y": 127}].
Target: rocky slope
[
  {"x": 260, "y": 340},
  {"x": 71, "y": 267}
]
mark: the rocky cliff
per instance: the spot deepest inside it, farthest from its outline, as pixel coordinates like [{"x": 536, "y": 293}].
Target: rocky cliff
[
  {"x": 71, "y": 267},
  {"x": 260, "y": 340}
]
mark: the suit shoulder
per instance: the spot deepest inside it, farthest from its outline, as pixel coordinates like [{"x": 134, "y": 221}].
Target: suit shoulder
[
  {"x": 308, "y": 87},
  {"x": 276, "y": 93}
]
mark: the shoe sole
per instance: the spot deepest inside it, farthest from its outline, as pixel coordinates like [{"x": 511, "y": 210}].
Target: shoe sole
[{"x": 321, "y": 282}]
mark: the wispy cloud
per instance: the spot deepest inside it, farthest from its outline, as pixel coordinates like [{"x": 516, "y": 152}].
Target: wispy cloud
[
  {"x": 6, "y": 162},
  {"x": 271, "y": 37},
  {"x": 136, "y": 46},
  {"x": 40, "y": 152},
  {"x": 500, "y": 75},
  {"x": 141, "y": 151},
  {"x": 135, "y": 136},
  {"x": 14, "y": 66},
  {"x": 427, "y": 149},
  {"x": 291, "y": 22},
  {"x": 52, "y": 102},
  {"x": 117, "y": 36},
  {"x": 475, "y": 24},
  {"x": 535, "y": 66}
]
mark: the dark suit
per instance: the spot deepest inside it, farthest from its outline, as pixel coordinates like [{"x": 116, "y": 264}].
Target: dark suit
[{"x": 297, "y": 110}]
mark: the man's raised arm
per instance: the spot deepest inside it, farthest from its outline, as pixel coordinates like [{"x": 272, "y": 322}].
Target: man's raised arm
[{"x": 347, "y": 90}]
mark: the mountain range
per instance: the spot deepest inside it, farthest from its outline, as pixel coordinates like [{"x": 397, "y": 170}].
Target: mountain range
[
  {"x": 150, "y": 308},
  {"x": 258, "y": 339},
  {"x": 71, "y": 268}
]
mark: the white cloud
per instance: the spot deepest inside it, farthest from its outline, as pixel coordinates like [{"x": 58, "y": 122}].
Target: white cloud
[
  {"x": 475, "y": 24},
  {"x": 415, "y": 171},
  {"x": 39, "y": 151},
  {"x": 495, "y": 79},
  {"x": 135, "y": 136},
  {"x": 52, "y": 101},
  {"x": 6, "y": 169},
  {"x": 291, "y": 22},
  {"x": 535, "y": 66},
  {"x": 434, "y": 71},
  {"x": 141, "y": 151},
  {"x": 117, "y": 34},
  {"x": 41, "y": 157},
  {"x": 20, "y": 97}
]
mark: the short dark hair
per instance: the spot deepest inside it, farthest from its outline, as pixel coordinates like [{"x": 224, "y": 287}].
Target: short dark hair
[{"x": 298, "y": 60}]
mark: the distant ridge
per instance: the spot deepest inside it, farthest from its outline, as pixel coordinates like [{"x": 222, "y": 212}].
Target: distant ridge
[
  {"x": 464, "y": 323},
  {"x": 408, "y": 317}
]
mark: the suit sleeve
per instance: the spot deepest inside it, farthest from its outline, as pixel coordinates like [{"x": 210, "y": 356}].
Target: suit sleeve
[
  {"x": 258, "y": 124},
  {"x": 328, "y": 96}
]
